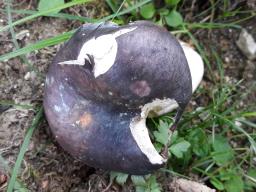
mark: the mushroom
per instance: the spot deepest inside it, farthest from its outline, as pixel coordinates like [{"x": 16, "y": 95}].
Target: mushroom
[{"x": 104, "y": 83}]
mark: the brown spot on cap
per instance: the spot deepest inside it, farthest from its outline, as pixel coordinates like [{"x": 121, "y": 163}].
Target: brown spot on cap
[
  {"x": 140, "y": 88},
  {"x": 85, "y": 120}
]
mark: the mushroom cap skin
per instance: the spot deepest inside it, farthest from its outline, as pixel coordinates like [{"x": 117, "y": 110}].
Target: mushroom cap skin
[{"x": 96, "y": 88}]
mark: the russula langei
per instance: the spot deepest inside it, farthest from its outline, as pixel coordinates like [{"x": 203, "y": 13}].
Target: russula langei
[{"x": 104, "y": 83}]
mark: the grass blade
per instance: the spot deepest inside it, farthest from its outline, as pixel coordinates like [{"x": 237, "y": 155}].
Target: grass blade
[
  {"x": 36, "y": 46},
  {"x": 249, "y": 114},
  {"x": 14, "y": 40},
  {"x": 202, "y": 53},
  {"x": 58, "y": 15},
  {"x": 248, "y": 123},
  {"x": 23, "y": 149},
  {"x": 42, "y": 13},
  {"x": 238, "y": 128},
  {"x": 212, "y": 25},
  {"x": 13, "y": 104},
  {"x": 111, "y": 5}
]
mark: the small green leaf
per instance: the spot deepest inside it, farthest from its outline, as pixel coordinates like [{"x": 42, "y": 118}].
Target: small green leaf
[
  {"x": 160, "y": 22},
  {"x": 172, "y": 2},
  {"x": 20, "y": 187},
  {"x": 225, "y": 175},
  {"x": 147, "y": 11},
  {"x": 174, "y": 137},
  {"x": 217, "y": 184},
  {"x": 199, "y": 142},
  {"x": 223, "y": 153},
  {"x": 251, "y": 173},
  {"x": 163, "y": 12},
  {"x": 113, "y": 175},
  {"x": 154, "y": 186},
  {"x": 174, "y": 19},
  {"x": 46, "y": 4},
  {"x": 163, "y": 133},
  {"x": 234, "y": 184},
  {"x": 138, "y": 180},
  {"x": 140, "y": 189},
  {"x": 180, "y": 148},
  {"x": 151, "y": 185},
  {"x": 121, "y": 178}
]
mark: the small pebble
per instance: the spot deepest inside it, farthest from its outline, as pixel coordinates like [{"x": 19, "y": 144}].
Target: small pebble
[
  {"x": 247, "y": 45},
  {"x": 31, "y": 75},
  {"x": 227, "y": 60}
]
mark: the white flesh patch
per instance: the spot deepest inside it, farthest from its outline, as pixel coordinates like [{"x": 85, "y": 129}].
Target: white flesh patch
[
  {"x": 140, "y": 132},
  {"x": 195, "y": 63},
  {"x": 72, "y": 62},
  {"x": 158, "y": 107},
  {"x": 103, "y": 50}
]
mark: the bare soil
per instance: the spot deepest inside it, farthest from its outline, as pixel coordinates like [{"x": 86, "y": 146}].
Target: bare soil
[{"x": 46, "y": 166}]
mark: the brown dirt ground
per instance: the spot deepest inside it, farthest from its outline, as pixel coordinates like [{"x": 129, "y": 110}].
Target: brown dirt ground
[{"x": 46, "y": 167}]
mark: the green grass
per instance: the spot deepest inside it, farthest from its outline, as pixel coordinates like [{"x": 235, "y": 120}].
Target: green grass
[
  {"x": 23, "y": 148},
  {"x": 20, "y": 106},
  {"x": 209, "y": 142},
  {"x": 43, "y": 13},
  {"x": 57, "y": 15}
]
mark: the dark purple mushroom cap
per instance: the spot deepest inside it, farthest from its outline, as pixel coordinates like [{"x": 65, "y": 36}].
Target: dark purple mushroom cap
[{"x": 102, "y": 85}]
